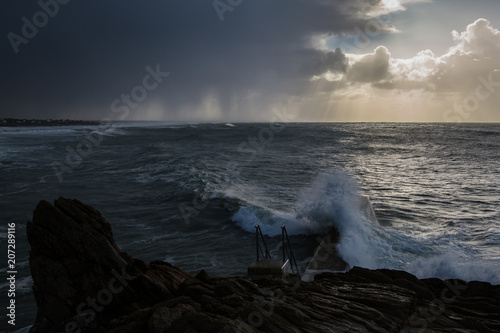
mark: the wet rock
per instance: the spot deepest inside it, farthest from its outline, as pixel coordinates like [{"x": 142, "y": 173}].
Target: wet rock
[
  {"x": 82, "y": 281},
  {"x": 80, "y": 275}
]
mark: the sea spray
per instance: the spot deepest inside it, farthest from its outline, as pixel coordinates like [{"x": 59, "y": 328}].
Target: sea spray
[
  {"x": 434, "y": 187},
  {"x": 455, "y": 266},
  {"x": 270, "y": 221},
  {"x": 333, "y": 200}
]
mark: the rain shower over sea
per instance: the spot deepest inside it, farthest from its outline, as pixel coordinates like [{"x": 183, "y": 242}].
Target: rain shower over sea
[{"x": 191, "y": 194}]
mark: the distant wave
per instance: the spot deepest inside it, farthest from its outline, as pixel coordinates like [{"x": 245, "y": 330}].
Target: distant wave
[
  {"x": 52, "y": 130},
  {"x": 153, "y": 124}
]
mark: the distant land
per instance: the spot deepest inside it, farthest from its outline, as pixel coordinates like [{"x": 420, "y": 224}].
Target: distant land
[{"x": 13, "y": 122}]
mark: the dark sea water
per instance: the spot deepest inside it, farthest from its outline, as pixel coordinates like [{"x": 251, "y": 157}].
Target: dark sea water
[{"x": 191, "y": 194}]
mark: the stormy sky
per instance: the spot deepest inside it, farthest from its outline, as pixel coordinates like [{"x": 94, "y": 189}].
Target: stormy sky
[{"x": 248, "y": 60}]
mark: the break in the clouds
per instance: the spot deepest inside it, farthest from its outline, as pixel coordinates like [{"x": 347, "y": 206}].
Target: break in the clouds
[
  {"x": 475, "y": 53},
  {"x": 237, "y": 60},
  {"x": 462, "y": 84}
]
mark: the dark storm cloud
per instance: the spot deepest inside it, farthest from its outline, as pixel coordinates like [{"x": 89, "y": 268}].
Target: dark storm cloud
[
  {"x": 334, "y": 61},
  {"x": 91, "y": 52}
]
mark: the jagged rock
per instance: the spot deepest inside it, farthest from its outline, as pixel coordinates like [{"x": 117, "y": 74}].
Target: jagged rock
[
  {"x": 81, "y": 276},
  {"x": 74, "y": 259}
]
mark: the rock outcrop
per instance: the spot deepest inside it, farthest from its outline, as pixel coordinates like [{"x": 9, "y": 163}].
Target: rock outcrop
[
  {"x": 81, "y": 278},
  {"x": 84, "y": 283}
]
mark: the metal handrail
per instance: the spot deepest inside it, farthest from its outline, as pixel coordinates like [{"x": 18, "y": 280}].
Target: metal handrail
[
  {"x": 257, "y": 232},
  {"x": 284, "y": 234}
]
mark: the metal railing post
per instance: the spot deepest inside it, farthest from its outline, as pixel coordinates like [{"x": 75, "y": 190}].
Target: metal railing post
[
  {"x": 257, "y": 240},
  {"x": 283, "y": 241},
  {"x": 290, "y": 255}
]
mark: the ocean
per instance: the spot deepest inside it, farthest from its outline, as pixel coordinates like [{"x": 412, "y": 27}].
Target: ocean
[{"x": 191, "y": 193}]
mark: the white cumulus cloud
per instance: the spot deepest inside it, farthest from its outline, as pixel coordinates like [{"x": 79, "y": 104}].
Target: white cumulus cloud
[{"x": 475, "y": 53}]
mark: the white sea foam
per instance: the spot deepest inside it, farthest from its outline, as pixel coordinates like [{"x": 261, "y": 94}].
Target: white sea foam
[
  {"x": 332, "y": 200},
  {"x": 111, "y": 131},
  {"x": 455, "y": 266},
  {"x": 169, "y": 259},
  {"x": 154, "y": 124},
  {"x": 51, "y": 130},
  {"x": 270, "y": 222}
]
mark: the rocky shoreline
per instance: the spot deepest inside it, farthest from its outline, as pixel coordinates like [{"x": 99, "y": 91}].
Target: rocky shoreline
[
  {"x": 84, "y": 283},
  {"x": 13, "y": 122}
]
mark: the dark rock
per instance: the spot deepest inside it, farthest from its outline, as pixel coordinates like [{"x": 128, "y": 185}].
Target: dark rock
[
  {"x": 75, "y": 261},
  {"x": 366, "y": 275},
  {"x": 195, "y": 289},
  {"x": 78, "y": 268},
  {"x": 203, "y": 276}
]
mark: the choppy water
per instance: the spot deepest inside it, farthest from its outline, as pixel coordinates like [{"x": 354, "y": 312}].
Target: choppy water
[{"x": 434, "y": 188}]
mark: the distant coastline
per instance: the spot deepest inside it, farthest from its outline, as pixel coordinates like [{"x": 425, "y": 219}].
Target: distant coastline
[{"x": 13, "y": 122}]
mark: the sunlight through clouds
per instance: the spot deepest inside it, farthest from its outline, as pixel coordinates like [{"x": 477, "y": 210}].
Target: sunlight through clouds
[
  {"x": 444, "y": 79},
  {"x": 377, "y": 57}
]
